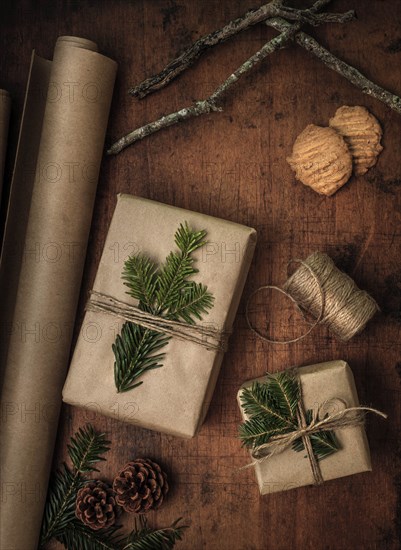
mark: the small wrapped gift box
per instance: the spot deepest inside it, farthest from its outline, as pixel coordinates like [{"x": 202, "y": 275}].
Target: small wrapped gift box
[
  {"x": 174, "y": 398},
  {"x": 328, "y": 388}
]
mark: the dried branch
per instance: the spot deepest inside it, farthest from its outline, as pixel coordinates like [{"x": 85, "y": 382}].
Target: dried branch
[
  {"x": 252, "y": 17},
  {"x": 209, "y": 105},
  {"x": 341, "y": 67},
  {"x": 205, "y": 106},
  {"x": 199, "y": 108}
]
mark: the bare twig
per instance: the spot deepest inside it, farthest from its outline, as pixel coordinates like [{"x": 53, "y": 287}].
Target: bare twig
[
  {"x": 252, "y": 17},
  {"x": 208, "y": 105},
  {"x": 199, "y": 108},
  {"x": 350, "y": 73}
]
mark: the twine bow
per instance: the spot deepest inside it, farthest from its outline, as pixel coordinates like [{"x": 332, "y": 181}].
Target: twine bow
[{"x": 207, "y": 336}]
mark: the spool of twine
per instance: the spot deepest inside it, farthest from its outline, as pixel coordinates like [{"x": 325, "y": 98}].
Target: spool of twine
[
  {"x": 346, "y": 310},
  {"x": 330, "y": 296}
]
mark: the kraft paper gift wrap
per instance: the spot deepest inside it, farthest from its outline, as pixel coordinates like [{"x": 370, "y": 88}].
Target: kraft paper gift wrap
[
  {"x": 291, "y": 469},
  {"x": 5, "y": 108},
  {"x": 174, "y": 398},
  {"x": 53, "y": 189}
]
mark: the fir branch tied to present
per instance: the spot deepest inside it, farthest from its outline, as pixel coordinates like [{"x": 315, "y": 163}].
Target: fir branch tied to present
[
  {"x": 271, "y": 407},
  {"x": 166, "y": 291},
  {"x": 60, "y": 522}
]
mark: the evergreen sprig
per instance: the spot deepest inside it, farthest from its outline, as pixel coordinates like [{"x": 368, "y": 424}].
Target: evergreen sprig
[
  {"x": 85, "y": 450},
  {"x": 166, "y": 291},
  {"x": 145, "y": 538},
  {"x": 76, "y": 536},
  {"x": 271, "y": 407}
]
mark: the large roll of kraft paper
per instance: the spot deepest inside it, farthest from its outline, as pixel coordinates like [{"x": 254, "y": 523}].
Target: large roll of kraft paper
[
  {"x": 5, "y": 108},
  {"x": 49, "y": 215}
]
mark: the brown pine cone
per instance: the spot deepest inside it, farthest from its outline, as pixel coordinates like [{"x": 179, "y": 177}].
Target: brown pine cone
[
  {"x": 140, "y": 486},
  {"x": 96, "y": 505}
]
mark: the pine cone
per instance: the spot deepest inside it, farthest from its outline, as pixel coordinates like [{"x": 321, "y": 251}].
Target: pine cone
[
  {"x": 141, "y": 486},
  {"x": 96, "y": 505}
]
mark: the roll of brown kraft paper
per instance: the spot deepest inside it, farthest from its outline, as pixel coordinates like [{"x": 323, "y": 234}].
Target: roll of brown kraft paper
[
  {"x": 49, "y": 215},
  {"x": 5, "y": 107}
]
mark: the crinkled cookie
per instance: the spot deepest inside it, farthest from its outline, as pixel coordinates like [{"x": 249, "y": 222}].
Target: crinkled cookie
[
  {"x": 321, "y": 159},
  {"x": 362, "y": 133}
]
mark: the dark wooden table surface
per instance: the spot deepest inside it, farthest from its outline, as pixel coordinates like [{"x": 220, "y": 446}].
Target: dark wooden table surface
[{"x": 233, "y": 165}]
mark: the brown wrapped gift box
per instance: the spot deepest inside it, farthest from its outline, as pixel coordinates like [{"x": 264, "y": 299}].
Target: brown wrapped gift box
[
  {"x": 291, "y": 469},
  {"x": 175, "y": 398}
]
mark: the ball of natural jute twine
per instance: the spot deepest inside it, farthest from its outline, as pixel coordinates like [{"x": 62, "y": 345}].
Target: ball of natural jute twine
[{"x": 320, "y": 289}]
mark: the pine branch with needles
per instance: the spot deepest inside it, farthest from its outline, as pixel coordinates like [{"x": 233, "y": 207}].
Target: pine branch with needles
[
  {"x": 85, "y": 450},
  {"x": 78, "y": 537},
  {"x": 166, "y": 291},
  {"x": 271, "y": 409},
  {"x": 145, "y": 538}
]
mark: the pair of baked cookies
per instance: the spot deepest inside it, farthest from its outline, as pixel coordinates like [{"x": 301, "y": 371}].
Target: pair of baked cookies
[{"x": 324, "y": 157}]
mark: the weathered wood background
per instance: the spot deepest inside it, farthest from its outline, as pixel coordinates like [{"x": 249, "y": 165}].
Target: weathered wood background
[{"x": 232, "y": 165}]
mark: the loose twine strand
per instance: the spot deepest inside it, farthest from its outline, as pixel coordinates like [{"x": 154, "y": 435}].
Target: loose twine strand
[
  {"x": 319, "y": 288},
  {"x": 207, "y": 336}
]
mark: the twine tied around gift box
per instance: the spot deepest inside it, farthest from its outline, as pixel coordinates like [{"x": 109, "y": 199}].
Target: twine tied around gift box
[
  {"x": 320, "y": 289},
  {"x": 346, "y": 417},
  {"x": 207, "y": 336}
]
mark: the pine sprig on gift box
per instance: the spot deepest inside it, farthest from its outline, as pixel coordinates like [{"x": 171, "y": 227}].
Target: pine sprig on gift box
[
  {"x": 166, "y": 292},
  {"x": 85, "y": 450},
  {"x": 272, "y": 410}
]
